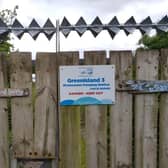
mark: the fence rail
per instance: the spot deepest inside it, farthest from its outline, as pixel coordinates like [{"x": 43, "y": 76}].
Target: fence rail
[{"x": 130, "y": 134}]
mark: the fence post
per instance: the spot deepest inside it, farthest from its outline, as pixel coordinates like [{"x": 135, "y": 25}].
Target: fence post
[
  {"x": 146, "y": 111},
  {"x": 121, "y": 113},
  {"x": 70, "y": 138},
  {"x": 163, "y": 123},
  {"x": 4, "y": 154},
  {"x": 22, "y": 113},
  {"x": 96, "y": 122},
  {"x": 45, "y": 106}
]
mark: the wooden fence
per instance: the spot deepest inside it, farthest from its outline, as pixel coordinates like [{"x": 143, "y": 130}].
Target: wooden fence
[{"x": 34, "y": 130}]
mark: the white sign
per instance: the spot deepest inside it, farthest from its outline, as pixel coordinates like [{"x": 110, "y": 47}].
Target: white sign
[{"x": 84, "y": 85}]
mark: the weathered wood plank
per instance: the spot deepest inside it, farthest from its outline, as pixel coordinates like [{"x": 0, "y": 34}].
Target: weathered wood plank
[
  {"x": 146, "y": 112},
  {"x": 163, "y": 124},
  {"x": 121, "y": 113},
  {"x": 45, "y": 106},
  {"x": 70, "y": 156},
  {"x": 22, "y": 113},
  {"x": 96, "y": 122},
  {"x": 4, "y": 158}
]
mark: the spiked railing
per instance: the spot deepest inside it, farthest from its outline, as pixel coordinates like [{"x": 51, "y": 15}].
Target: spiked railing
[{"x": 113, "y": 27}]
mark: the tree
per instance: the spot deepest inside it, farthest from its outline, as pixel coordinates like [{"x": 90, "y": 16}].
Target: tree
[
  {"x": 7, "y": 16},
  {"x": 158, "y": 41}
]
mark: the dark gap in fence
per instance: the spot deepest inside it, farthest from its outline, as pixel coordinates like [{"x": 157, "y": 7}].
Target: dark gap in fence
[
  {"x": 159, "y": 109},
  {"x": 34, "y": 95},
  {"x": 8, "y": 85},
  {"x": 9, "y": 100},
  {"x": 158, "y": 129},
  {"x": 83, "y": 137},
  {"x": 108, "y": 137},
  {"x": 57, "y": 117},
  {"x": 133, "y": 112},
  {"x": 133, "y": 131}
]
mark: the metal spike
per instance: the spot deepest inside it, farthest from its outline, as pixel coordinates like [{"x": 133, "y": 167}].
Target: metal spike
[
  {"x": 129, "y": 30},
  {"x": 49, "y": 25},
  {"x": 80, "y": 26},
  {"x": 49, "y": 36},
  {"x": 96, "y": 21},
  {"x": 3, "y": 35},
  {"x": 17, "y": 24},
  {"x": 34, "y": 24},
  {"x": 161, "y": 29},
  {"x": 66, "y": 32},
  {"x": 3, "y": 31},
  {"x": 34, "y": 29},
  {"x": 112, "y": 33},
  {"x": 146, "y": 26},
  {"x": 95, "y": 32},
  {"x": 65, "y": 27},
  {"x": 144, "y": 30},
  {"x": 3, "y": 27},
  {"x": 2, "y": 24},
  {"x": 130, "y": 23},
  {"x": 147, "y": 21},
  {"x": 96, "y": 27},
  {"x": 65, "y": 22},
  {"x": 18, "y": 29},
  {"x": 114, "y": 21},
  {"x": 162, "y": 25},
  {"x": 81, "y": 22},
  {"x": 113, "y": 27},
  {"x": 164, "y": 20}
]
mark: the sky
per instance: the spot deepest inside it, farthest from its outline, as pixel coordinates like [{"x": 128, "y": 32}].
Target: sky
[{"x": 89, "y": 9}]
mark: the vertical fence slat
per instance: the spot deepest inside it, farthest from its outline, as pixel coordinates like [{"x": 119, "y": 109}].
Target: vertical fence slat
[
  {"x": 146, "y": 112},
  {"x": 96, "y": 122},
  {"x": 4, "y": 162},
  {"x": 163, "y": 133},
  {"x": 45, "y": 106},
  {"x": 69, "y": 123},
  {"x": 121, "y": 113},
  {"x": 22, "y": 115}
]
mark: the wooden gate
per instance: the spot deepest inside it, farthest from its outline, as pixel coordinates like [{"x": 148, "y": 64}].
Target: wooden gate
[{"x": 36, "y": 132}]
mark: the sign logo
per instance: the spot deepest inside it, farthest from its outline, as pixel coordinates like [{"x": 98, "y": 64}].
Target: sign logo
[{"x": 86, "y": 71}]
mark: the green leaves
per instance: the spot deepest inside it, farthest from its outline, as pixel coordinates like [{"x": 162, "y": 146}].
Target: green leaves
[
  {"x": 157, "y": 41},
  {"x": 8, "y": 17}
]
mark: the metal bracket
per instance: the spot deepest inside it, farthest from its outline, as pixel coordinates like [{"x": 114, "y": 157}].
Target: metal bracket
[
  {"x": 9, "y": 93},
  {"x": 144, "y": 86},
  {"x": 34, "y": 163}
]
